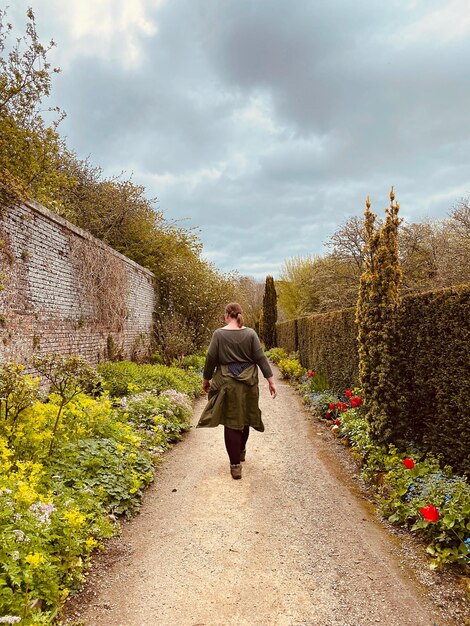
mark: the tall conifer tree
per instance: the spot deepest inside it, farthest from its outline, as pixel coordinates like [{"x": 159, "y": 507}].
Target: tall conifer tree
[
  {"x": 269, "y": 313},
  {"x": 379, "y": 296}
]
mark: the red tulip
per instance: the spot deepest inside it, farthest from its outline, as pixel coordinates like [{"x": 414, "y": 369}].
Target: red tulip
[
  {"x": 310, "y": 374},
  {"x": 344, "y": 406},
  {"x": 348, "y": 393},
  {"x": 358, "y": 400},
  {"x": 408, "y": 463},
  {"x": 430, "y": 513},
  {"x": 332, "y": 406},
  {"x": 338, "y": 405},
  {"x": 337, "y": 422},
  {"x": 327, "y": 415},
  {"x": 353, "y": 402}
]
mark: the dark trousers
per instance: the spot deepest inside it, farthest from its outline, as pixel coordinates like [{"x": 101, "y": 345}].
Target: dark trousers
[{"x": 235, "y": 442}]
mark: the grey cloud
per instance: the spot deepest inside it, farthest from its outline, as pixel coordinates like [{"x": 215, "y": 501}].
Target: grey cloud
[{"x": 354, "y": 105}]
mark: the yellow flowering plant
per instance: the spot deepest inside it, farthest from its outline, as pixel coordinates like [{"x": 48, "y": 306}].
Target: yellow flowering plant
[{"x": 66, "y": 464}]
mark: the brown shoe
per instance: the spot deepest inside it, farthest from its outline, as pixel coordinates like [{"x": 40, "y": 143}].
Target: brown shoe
[
  {"x": 242, "y": 455},
  {"x": 236, "y": 471}
]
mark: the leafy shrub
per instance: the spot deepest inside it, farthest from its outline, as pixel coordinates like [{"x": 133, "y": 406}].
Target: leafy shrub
[
  {"x": 126, "y": 377},
  {"x": 277, "y": 354},
  {"x": 82, "y": 417},
  {"x": 174, "y": 336},
  {"x": 68, "y": 376},
  {"x": 291, "y": 369},
  {"x": 193, "y": 362},
  {"x": 160, "y": 419},
  {"x": 156, "y": 359},
  {"x": 115, "y": 471}
]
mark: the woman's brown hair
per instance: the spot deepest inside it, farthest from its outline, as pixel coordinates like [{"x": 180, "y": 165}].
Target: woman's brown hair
[{"x": 234, "y": 310}]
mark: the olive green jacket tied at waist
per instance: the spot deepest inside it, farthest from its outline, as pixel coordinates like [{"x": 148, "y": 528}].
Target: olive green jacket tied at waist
[{"x": 233, "y": 400}]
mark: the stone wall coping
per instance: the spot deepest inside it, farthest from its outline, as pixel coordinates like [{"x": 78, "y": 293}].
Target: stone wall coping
[{"x": 58, "y": 219}]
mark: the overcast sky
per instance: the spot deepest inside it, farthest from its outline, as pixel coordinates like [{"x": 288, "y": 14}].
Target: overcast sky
[{"x": 266, "y": 123}]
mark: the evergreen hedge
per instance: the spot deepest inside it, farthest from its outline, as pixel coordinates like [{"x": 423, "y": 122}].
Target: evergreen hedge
[
  {"x": 431, "y": 355},
  {"x": 287, "y": 337},
  {"x": 433, "y": 360},
  {"x": 325, "y": 342}
]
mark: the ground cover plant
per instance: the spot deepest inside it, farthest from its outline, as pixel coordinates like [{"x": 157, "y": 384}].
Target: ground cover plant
[
  {"x": 126, "y": 378},
  {"x": 72, "y": 459}
]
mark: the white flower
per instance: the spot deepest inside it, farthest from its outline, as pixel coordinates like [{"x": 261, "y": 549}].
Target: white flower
[
  {"x": 15, "y": 555},
  {"x": 10, "y": 619},
  {"x": 19, "y": 535}
]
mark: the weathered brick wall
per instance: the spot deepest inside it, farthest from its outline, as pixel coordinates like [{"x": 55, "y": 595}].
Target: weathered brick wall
[{"x": 66, "y": 292}]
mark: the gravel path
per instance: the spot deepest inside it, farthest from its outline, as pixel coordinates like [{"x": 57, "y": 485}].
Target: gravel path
[{"x": 289, "y": 544}]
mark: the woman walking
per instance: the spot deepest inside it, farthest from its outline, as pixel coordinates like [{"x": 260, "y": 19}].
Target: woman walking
[{"x": 234, "y": 354}]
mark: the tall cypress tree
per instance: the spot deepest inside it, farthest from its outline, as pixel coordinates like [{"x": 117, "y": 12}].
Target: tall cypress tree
[
  {"x": 269, "y": 313},
  {"x": 379, "y": 296}
]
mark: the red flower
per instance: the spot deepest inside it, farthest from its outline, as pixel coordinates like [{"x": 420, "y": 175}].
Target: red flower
[
  {"x": 327, "y": 415},
  {"x": 338, "y": 405},
  {"x": 344, "y": 406},
  {"x": 408, "y": 463},
  {"x": 358, "y": 400},
  {"x": 337, "y": 422},
  {"x": 430, "y": 513},
  {"x": 331, "y": 406},
  {"x": 348, "y": 393},
  {"x": 310, "y": 374}
]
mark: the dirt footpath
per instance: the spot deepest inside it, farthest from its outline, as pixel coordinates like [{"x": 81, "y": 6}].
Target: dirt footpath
[{"x": 289, "y": 544}]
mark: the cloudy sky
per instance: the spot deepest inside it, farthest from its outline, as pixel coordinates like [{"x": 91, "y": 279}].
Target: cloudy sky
[{"x": 266, "y": 123}]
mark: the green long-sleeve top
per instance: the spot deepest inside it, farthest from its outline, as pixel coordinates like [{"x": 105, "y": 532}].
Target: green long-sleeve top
[{"x": 235, "y": 346}]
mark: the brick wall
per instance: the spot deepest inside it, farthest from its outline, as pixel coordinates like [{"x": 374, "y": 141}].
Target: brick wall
[{"x": 66, "y": 292}]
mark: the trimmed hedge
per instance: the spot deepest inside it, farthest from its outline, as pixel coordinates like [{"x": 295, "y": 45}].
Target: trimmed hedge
[
  {"x": 327, "y": 343},
  {"x": 287, "y": 337},
  {"x": 433, "y": 361},
  {"x": 431, "y": 356}
]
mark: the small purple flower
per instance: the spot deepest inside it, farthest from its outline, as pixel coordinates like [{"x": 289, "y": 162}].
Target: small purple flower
[{"x": 42, "y": 511}]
